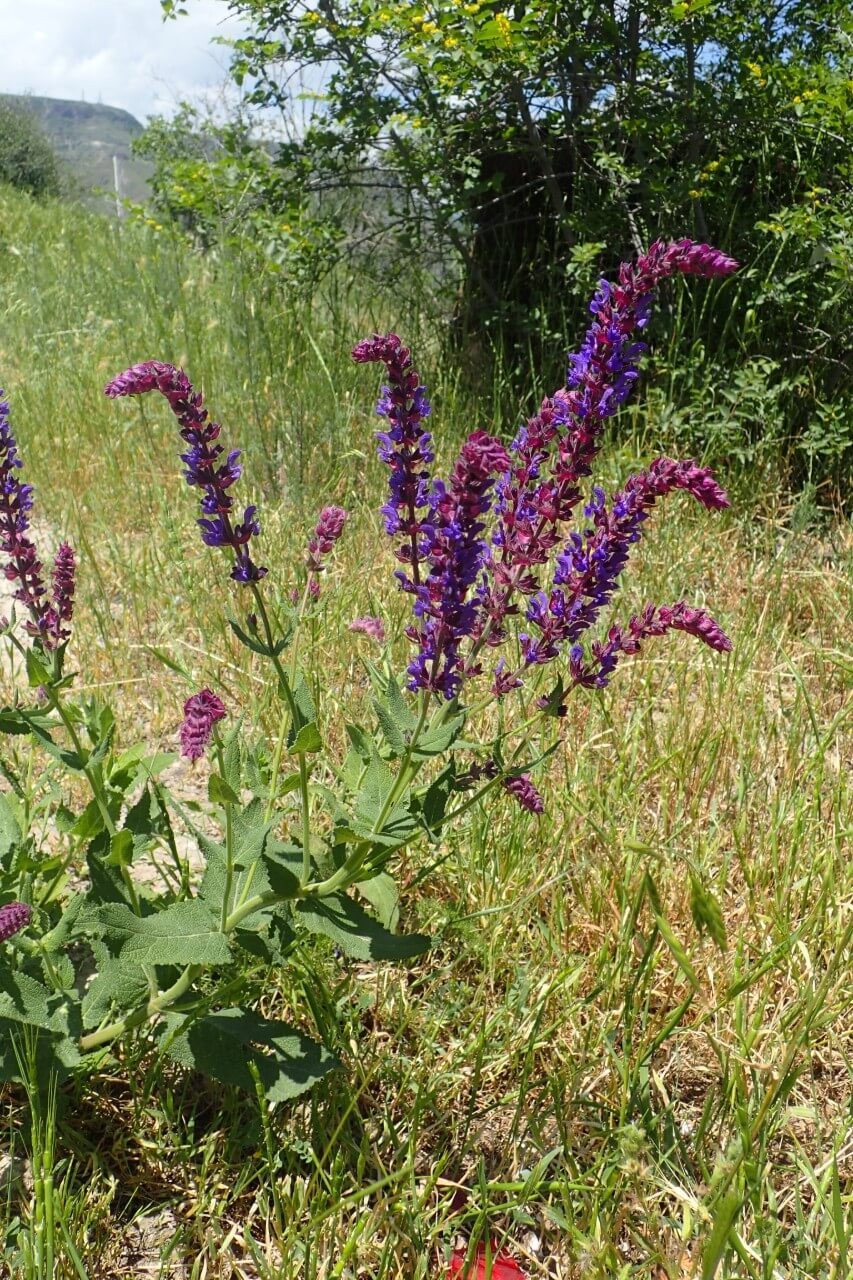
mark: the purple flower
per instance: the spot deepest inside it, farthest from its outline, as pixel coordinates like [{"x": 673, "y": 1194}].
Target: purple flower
[
  {"x": 446, "y": 609},
  {"x": 653, "y": 621},
  {"x": 201, "y": 712},
  {"x": 14, "y": 917},
  {"x": 588, "y": 568},
  {"x": 330, "y": 526},
  {"x": 406, "y": 448},
  {"x": 373, "y": 627},
  {"x": 23, "y": 566},
  {"x": 555, "y": 450},
  {"x": 523, "y": 791},
  {"x": 205, "y": 466}
]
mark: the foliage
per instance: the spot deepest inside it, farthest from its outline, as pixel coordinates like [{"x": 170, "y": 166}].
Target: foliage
[
  {"x": 27, "y": 159},
  {"x": 490, "y": 149}
]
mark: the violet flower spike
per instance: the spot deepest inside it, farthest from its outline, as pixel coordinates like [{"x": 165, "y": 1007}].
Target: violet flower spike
[
  {"x": 445, "y": 608},
  {"x": 557, "y": 447},
  {"x": 588, "y": 569},
  {"x": 406, "y": 448},
  {"x": 203, "y": 460},
  {"x": 14, "y": 917},
  {"x": 23, "y": 565},
  {"x": 201, "y": 712},
  {"x": 653, "y": 621}
]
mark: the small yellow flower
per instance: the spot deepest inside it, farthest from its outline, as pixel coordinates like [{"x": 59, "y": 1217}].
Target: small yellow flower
[
  {"x": 694, "y": 193},
  {"x": 808, "y": 94},
  {"x": 417, "y": 19},
  {"x": 754, "y": 68},
  {"x": 384, "y": 15},
  {"x": 712, "y": 166},
  {"x": 504, "y": 27},
  {"x": 450, "y": 42},
  {"x": 429, "y": 28},
  {"x": 472, "y": 8},
  {"x": 417, "y": 123},
  {"x": 797, "y": 100}
]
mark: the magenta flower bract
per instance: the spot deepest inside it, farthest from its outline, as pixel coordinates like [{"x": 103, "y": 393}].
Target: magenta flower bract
[
  {"x": 524, "y": 793},
  {"x": 201, "y": 713},
  {"x": 373, "y": 627},
  {"x": 205, "y": 466},
  {"x": 14, "y": 917}
]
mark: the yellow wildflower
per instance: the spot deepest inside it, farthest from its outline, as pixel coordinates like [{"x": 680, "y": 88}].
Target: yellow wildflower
[
  {"x": 429, "y": 28},
  {"x": 504, "y": 27},
  {"x": 450, "y": 42}
]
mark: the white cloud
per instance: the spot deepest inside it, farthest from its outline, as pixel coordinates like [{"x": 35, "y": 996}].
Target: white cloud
[{"x": 119, "y": 52}]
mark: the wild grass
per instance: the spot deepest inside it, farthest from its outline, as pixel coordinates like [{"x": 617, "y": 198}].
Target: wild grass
[{"x": 572, "y": 1072}]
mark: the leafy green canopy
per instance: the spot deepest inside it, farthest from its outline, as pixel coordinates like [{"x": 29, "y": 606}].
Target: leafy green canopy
[
  {"x": 27, "y": 159},
  {"x": 494, "y": 149}
]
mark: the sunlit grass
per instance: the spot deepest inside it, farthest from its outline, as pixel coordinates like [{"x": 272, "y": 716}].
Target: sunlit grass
[{"x": 572, "y": 1071}]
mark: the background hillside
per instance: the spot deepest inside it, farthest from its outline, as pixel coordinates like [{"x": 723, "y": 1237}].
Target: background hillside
[{"x": 86, "y": 136}]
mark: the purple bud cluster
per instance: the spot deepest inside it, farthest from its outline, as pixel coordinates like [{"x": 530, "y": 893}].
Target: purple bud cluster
[
  {"x": 406, "y": 448},
  {"x": 46, "y": 615},
  {"x": 205, "y": 466},
  {"x": 14, "y": 917},
  {"x": 201, "y": 713},
  {"x": 330, "y": 526},
  {"x": 467, "y": 584},
  {"x": 369, "y": 626}
]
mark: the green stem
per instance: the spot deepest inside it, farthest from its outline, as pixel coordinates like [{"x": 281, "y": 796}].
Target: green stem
[
  {"x": 95, "y": 785},
  {"x": 229, "y": 842},
  {"x": 145, "y": 1012},
  {"x": 286, "y": 689}
]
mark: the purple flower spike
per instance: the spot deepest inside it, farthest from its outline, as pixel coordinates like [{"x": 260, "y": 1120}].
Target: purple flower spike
[
  {"x": 407, "y": 450},
  {"x": 14, "y": 917},
  {"x": 653, "y": 621},
  {"x": 23, "y": 566},
  {"x": 524, "y": 793},
  {"x": 555, "y": 450},
  {"x": 445, "y": 607},
  {"x": 373, "y": 627},
  {"x": 205, "y": 466},
  {"x": 201, "y": 713}
]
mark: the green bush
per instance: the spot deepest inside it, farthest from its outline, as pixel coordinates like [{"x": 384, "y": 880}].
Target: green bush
[{"x": 27, "y": 159}]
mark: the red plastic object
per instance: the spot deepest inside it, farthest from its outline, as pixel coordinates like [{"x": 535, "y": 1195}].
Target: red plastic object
[{"x": 503, "y": 1266}]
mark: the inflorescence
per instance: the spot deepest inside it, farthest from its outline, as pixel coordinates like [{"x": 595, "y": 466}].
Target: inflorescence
[
  {"x": 205, "y": 466},
  {"x": 467, "y": 582},
  {"x": 46, "y": 614}
]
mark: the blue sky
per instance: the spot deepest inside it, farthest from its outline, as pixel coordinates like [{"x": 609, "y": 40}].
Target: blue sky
[{"x": 119, "y": 52}]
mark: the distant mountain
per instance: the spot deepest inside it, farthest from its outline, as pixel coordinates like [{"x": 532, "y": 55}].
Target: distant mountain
[{"x": 86, "y": 136}]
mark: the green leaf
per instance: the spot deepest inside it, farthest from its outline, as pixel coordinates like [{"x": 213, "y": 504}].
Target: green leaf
[
  {"x": 119, "y": 986},
  {"x": 707, "y": 914},
  {"x": 26, "y": 1001},
  {"x": 357, "y": 934},
  {"x": 121, "y": 849},
  {"x": 283, "y": 865},
  {"x": 374, "y": 791},
  {"x": 383, "y": 895},
  {"x": 723, "y": 1219},
  {"x": 440, "y": 739},
  {"x": 232, "y": 772},
  {"x": 256, "y": 644},
  {"x": 184, "y": 933},
  {"x": 219, "y": 792},
  {"x": 307, "y": 740},
  {"x": 394, "y": 715},
  {"x": 221, "y": 1045},
  {"x": 305, "y": 711},
  {"x": 37, "y": 673},
  {"x": 10, "y": 830}
]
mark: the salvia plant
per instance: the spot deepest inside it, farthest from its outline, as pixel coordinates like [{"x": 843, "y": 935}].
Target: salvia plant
[{"x": 508, "y": 565}]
